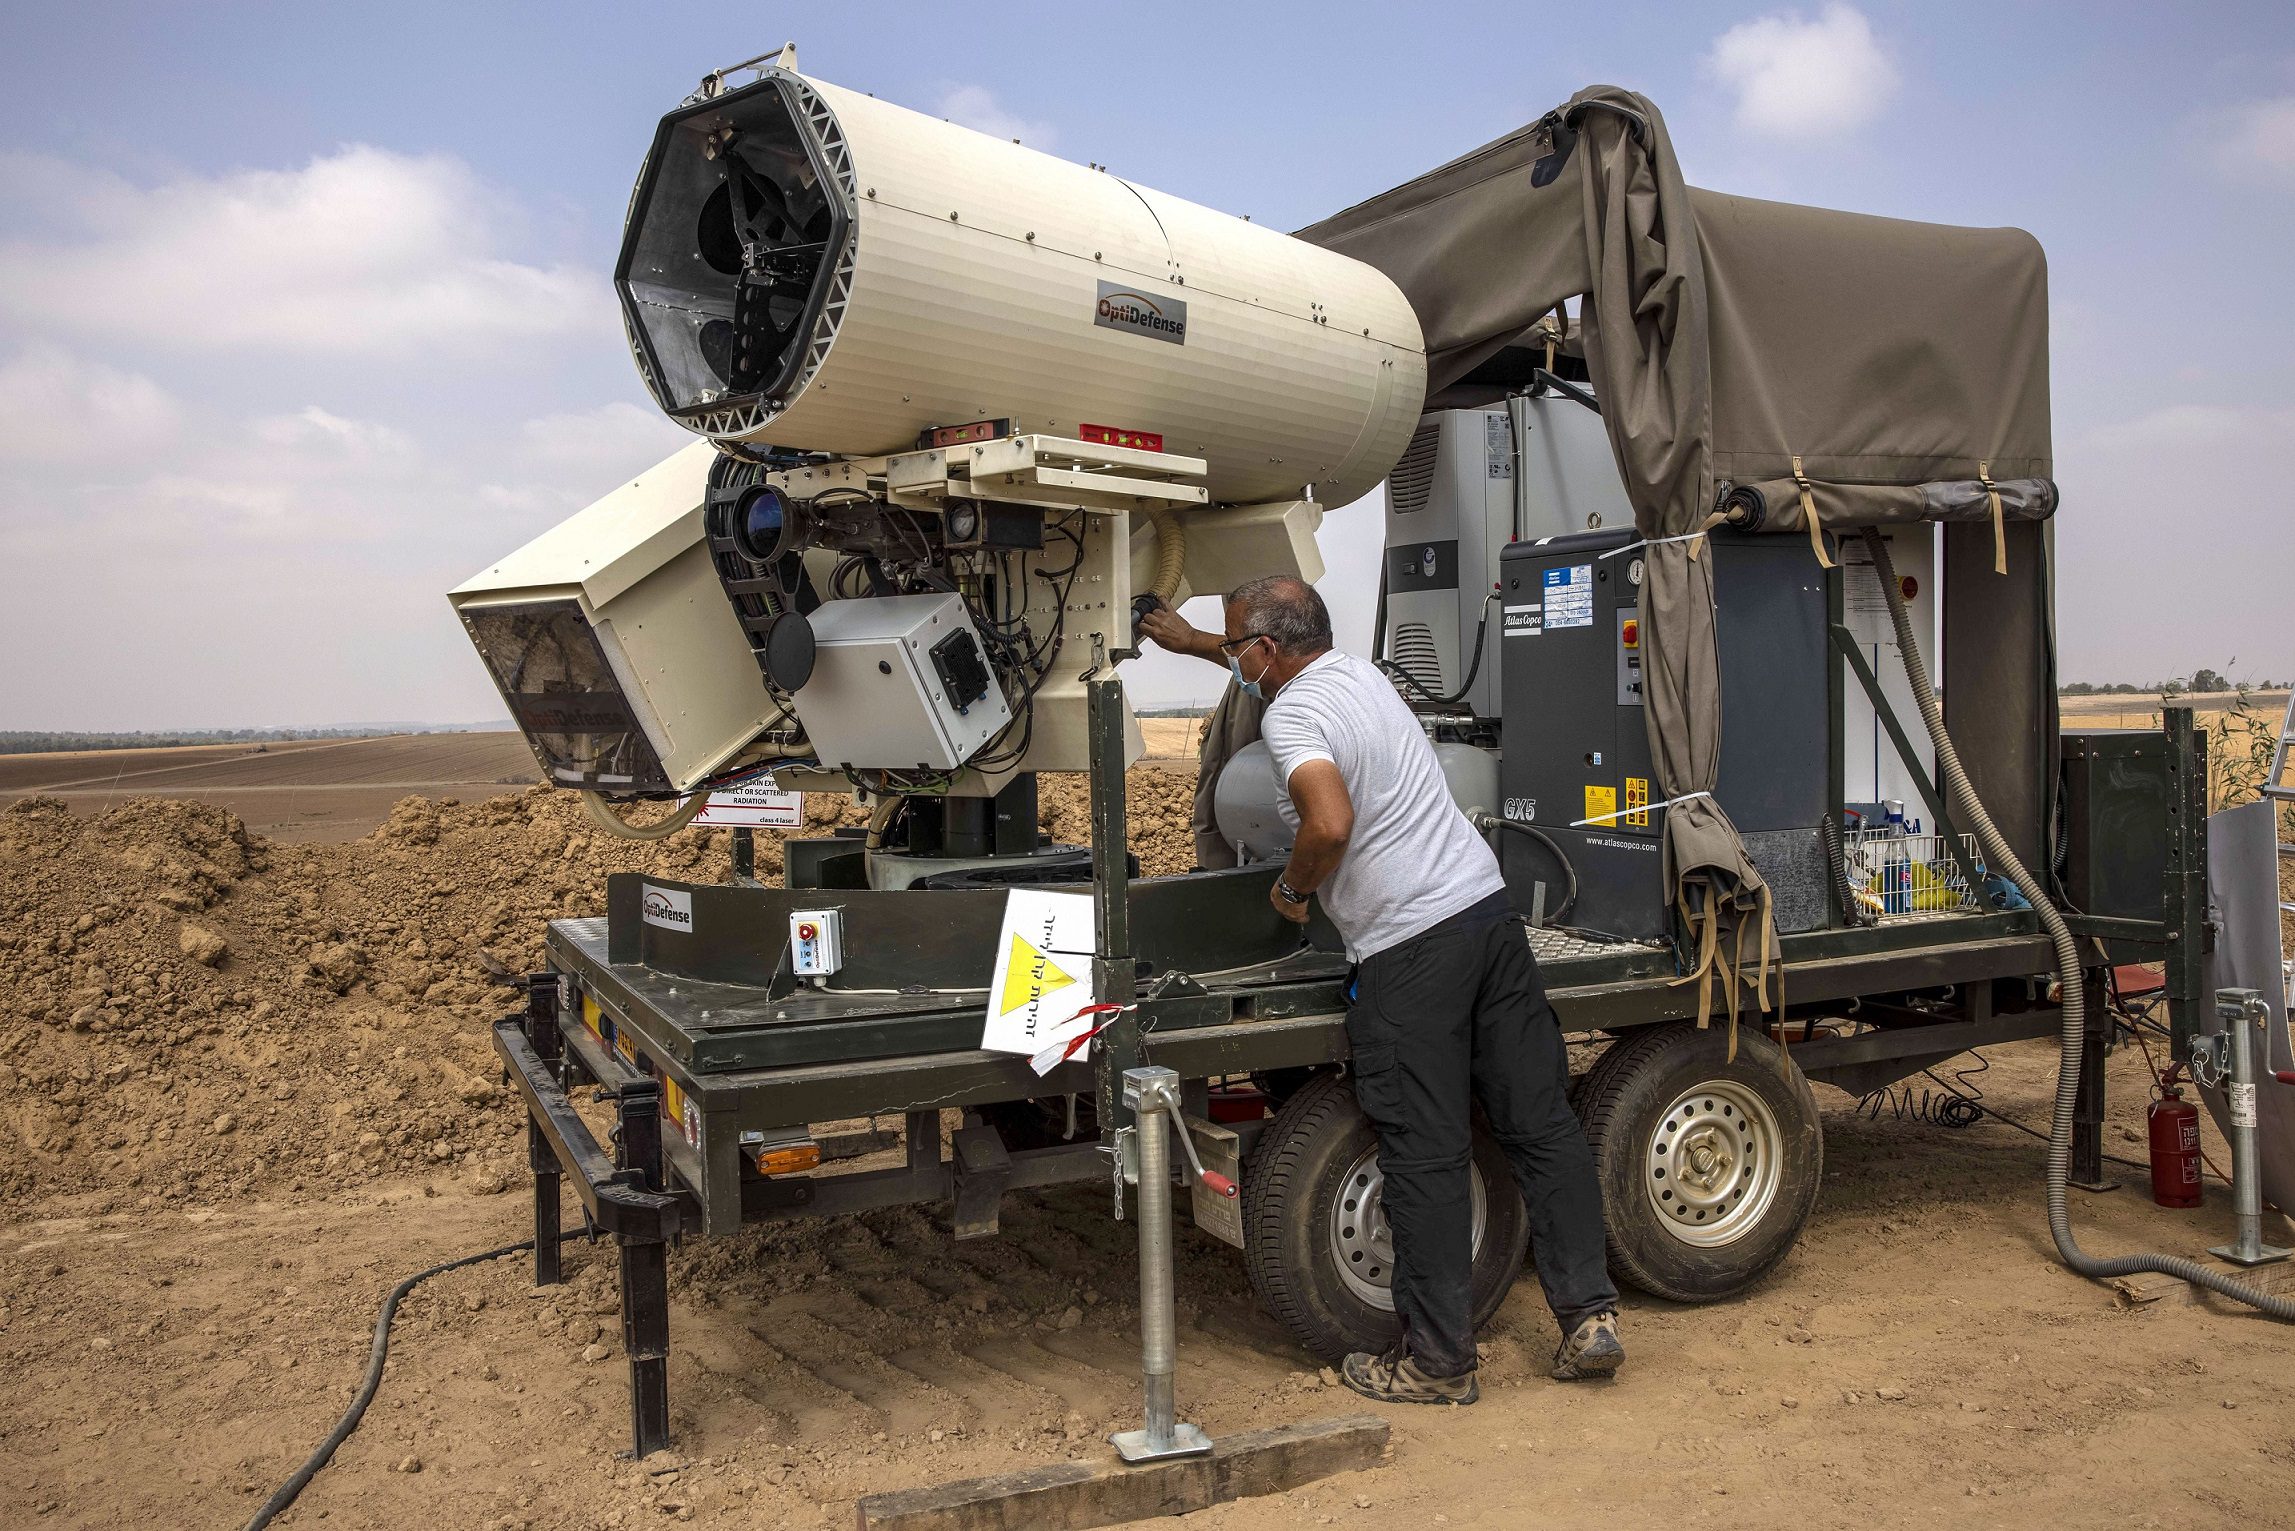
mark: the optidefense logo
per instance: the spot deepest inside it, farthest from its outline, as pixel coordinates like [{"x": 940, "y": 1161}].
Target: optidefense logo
[
  {"x": 670, "y": 908},
  {"x": 1121, "y": 308}
]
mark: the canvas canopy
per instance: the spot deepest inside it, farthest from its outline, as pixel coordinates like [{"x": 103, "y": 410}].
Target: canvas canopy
[{"x": 1787, "y": 368}]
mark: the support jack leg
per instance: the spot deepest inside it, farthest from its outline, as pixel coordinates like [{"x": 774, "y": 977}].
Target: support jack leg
[{"x": 645, "y": 1339}]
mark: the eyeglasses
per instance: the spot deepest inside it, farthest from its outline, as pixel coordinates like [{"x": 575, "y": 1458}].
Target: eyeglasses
[{"x": 1235, "y": 645}]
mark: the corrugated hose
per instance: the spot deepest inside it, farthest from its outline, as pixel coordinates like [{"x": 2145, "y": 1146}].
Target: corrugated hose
[{"x": 2004, "y": 857}]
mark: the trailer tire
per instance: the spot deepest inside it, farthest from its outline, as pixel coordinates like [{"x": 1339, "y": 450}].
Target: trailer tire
[
  {"x": 1296, "y": 1222},
  {"x": 1702, "y": 1228}
]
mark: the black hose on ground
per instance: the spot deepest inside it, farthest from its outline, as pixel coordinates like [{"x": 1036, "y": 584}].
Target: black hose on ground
[
  {"x": 302, "y": 1476},
  {"x": 2003, "y": 857}
]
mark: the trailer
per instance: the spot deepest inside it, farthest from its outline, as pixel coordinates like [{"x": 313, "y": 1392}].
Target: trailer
[{"x": 721, "y": 1069}]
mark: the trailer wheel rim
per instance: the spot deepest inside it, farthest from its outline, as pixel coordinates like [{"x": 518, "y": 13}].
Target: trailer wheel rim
[
  {"x": 1362, "y": 1243},
  {"x": 1713, "y": 1163}
]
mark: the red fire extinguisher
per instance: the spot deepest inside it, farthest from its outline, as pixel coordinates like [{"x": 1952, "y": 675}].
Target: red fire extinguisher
[{"x": 2174, "y": 1124}]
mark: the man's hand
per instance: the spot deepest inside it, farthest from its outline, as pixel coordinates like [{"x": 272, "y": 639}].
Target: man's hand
[
  {"x": 1172, "y": 631},
  {"x": 1295, "y": 913}
]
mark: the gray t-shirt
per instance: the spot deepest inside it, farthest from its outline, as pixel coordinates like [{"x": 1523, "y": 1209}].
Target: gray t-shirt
[{"x": 1413, "y": 860}]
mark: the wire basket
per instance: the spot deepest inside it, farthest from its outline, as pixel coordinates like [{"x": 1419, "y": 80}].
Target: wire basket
[{"x": 1895, "y": 874}]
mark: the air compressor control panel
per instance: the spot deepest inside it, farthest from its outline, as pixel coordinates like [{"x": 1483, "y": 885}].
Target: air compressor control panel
[{"x": 816, "y": 942}]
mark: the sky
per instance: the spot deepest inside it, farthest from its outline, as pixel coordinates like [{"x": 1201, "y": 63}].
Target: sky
[{"x": 306, "y": 309}]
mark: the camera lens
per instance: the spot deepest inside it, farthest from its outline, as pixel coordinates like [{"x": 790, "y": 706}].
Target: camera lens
[{"x": 759, "y": 521}]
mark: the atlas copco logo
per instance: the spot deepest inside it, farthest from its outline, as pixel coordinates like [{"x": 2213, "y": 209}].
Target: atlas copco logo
[{"x": 1120, "y": 308}]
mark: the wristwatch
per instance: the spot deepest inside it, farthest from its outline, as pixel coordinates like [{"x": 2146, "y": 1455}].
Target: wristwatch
[{"x": 1290, "y": 894}]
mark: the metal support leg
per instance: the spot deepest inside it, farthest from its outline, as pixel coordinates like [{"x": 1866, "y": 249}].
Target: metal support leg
[
  {"x": 2243, "y": 1014},
  {"x": 645, "y": 1339},
  {"x": 548, "y": 1271},
  {"x": 637, "y": 1128},
  {"x": 645, "y": 1275},
  {"x": 542, "y": 1031},
  {"x": 2088, "y": 1106},
  {"x": 1114, "y": 979},
  {"x": 2185, "y": 895},
  {"x": 1153, "y": 1093},
  {"x": 744, "y": 855}
]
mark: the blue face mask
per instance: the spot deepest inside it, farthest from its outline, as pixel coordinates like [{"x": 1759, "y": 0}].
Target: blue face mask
[{"x": 1250, "y": 687}]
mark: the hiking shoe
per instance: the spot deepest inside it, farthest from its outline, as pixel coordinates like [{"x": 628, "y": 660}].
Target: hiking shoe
[
  {"x": 1395, "y": 1378},
  {"x": 1591, "y": 1350}
]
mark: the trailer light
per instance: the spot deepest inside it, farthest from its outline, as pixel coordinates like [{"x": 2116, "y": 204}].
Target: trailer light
[
  {"x": 786, "y": 1158},
  {"x": 1117, "y": 436},
  {"x": 1909, "y": 585}
]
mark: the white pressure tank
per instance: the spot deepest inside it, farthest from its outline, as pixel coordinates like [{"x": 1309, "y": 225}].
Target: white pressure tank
[
  {"x": 811, "y": 268},
  {"x": 1244, "y": 800}
]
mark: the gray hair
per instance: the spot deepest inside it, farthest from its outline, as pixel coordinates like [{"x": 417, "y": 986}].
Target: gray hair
[{"x": 1287, "y": 610}]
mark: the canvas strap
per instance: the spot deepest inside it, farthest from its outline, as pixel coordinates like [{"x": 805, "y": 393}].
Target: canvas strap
[
  {"x": 1707, "y": 926},
  {"x": 1809, "y": 514},
  {"x": 1557, "y": 328},
  {"x": 1716, "y": 969},
  {"x": 1999, "y": 521}
]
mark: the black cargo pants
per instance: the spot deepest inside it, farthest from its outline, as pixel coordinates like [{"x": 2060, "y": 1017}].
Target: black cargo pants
[{"x": 1448, "y": 1018}]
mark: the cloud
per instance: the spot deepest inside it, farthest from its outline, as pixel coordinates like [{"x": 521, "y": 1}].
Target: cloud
[
  {"x": 559, "y": 463},
  {"x": 317, "y": 542},
  {"x": 1797, "y": 78},
  {"x": 322, "y": 434},
  {"x": 2258, "y": 135},
  {"x": 360, "y": 254},
  {"x": 976, "y": 106},
  {"x": 56, "y": 409}
]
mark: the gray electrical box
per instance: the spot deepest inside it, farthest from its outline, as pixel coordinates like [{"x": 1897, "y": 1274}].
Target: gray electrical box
[
  {"x": 900, "y": 683},
  {"x": 1472, "y": 481},
  {"x": 1576, "y": 745}
]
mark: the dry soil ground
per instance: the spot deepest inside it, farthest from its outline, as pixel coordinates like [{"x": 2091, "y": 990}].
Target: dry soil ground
[
  {"x": 1921, "y": 1359},
  {"x": 213, "y": 1163}
]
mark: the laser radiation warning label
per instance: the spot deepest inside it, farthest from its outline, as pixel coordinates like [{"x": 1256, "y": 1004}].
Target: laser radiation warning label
[
  {"x": 754, "y": 805},
  {"x": 1042, "y": 980}
]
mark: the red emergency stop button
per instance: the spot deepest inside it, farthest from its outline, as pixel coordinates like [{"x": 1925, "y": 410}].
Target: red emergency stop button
[
  {"x": 1630, "y": 633},
  {"x": 807, "y": 932}
]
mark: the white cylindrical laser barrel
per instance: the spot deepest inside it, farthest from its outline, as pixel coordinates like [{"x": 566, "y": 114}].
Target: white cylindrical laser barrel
[{"x": 811, "y": 268}]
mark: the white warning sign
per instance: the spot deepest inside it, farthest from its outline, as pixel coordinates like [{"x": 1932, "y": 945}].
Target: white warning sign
[
  {"x": 1042, "y": 984},
  {"x": 754, "y": 805}
]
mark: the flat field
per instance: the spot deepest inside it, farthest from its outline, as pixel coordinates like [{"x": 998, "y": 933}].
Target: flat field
[
  {"x": 339, "y": 789},
  {"x": 2142, "y": 710},
  {"x": 297, "y": 790}
]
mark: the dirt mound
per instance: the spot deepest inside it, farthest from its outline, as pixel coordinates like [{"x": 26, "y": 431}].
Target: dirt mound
[{"x": 188, "y": 1010}]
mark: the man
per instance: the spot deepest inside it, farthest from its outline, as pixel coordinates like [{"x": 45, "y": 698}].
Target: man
[{"x": 1445, "y": 1007}]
